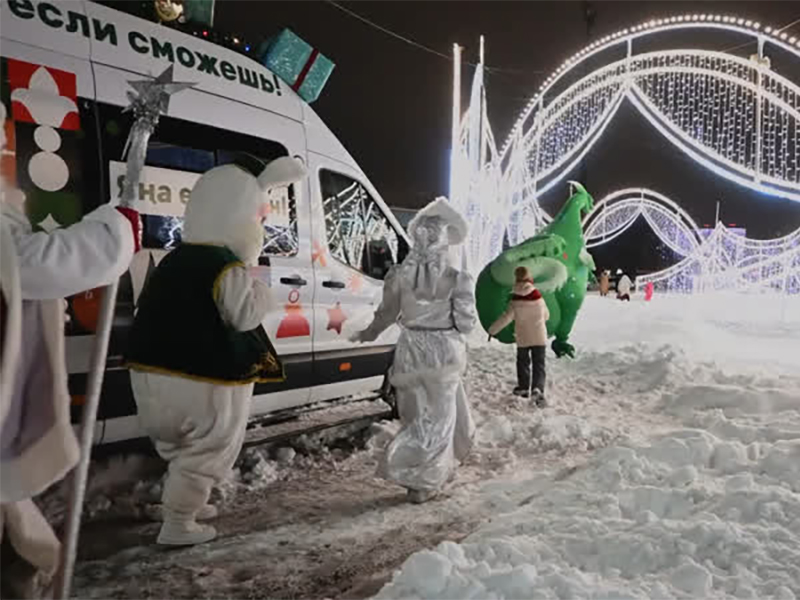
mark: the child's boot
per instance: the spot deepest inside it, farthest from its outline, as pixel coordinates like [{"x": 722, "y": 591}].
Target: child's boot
[
  {"x": 521, "y": 392},
  {"x": 182, "y": 530},
  {"x": 538, "y": 397}
]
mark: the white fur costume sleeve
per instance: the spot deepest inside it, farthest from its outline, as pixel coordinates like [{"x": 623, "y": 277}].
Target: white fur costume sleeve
[
  {"x": 464, "y": 313},
  {"x": 387, "y": 312},
  {"x": 88, "y": 254},
  {"x": 242, "y": 300}
]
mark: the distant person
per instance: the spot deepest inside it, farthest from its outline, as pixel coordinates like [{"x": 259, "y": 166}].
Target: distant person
[
  {"x": 624, "y": 286},
  {"x": 529, "y": 312},
  {"x": 605, "y": 283},
  {"x": 649, "y": 289}
]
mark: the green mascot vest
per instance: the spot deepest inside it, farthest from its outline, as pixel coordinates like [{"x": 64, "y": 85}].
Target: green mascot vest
[{"x": 178, "y": 329}]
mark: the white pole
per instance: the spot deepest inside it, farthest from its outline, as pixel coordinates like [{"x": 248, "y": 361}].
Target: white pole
[
  {"x": 716, "y": 218},
  {"x": 455, "y": 149},
  {"x": 481, "y": 139},
  {"x": 77, "y": 480}
]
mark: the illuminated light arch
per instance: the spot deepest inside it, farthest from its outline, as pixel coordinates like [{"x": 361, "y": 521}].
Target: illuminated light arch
[
  {"x": 627, "y": 36},
  {"x": 618, "y": 211},
  {"x": 734, "y": 116},
  {"x": 726, "y": 261}
]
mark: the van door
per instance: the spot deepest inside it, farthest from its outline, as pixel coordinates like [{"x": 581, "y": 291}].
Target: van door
[{"x": 354, "y": 245}]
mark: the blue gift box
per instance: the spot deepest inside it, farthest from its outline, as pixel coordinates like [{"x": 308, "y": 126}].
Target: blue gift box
[{"x": 302, "y": 67}]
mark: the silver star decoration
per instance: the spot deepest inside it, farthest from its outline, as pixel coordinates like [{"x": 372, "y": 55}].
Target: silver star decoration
[
  {"x": 150, "y": 100},
  {"x": 155, "y": 93}
]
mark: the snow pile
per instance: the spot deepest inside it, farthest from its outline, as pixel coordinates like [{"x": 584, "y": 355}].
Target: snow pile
[
  {"x": 117, "y": 486},
  {"x": 569, "y": 432},
  {"x": 256, "y": 470},
  {"x": 691, "y": 515},
  {"x": 706, "y": 508}
]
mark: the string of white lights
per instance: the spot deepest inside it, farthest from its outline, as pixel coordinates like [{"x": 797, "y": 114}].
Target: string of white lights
[
  {"x": 627, "y": 36},
  {"x": 726, "y": 261}
]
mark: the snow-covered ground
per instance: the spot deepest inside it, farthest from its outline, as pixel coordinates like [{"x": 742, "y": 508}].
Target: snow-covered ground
[
  {"x": 668, "y": 465},
  {"x": 709, "y": 507}
]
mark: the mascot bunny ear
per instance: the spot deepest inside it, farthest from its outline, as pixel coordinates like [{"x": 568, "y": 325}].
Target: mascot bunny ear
[{"x": 281, "y": 172}]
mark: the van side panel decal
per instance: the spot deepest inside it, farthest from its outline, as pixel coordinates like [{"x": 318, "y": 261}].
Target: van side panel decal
[
  {"x": 294, "y": 323},
  {"x": 43, "y": 95},
  {"x": 47, "y": 141}
]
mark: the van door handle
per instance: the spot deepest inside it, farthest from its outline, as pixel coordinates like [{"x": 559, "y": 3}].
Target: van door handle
[
  {"x": 337, "y": 285},
  {"x": 296, "y": 280}
]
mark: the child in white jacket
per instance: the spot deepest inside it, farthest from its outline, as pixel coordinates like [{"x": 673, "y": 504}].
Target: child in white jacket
[{"x": 529, "y": 312}]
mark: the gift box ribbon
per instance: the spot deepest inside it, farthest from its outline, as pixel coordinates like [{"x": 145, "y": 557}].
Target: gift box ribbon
[{"x": 306, "y": 68}]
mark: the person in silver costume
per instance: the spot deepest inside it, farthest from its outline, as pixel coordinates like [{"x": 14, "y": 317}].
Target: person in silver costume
[{"x": 434, "y": 304}]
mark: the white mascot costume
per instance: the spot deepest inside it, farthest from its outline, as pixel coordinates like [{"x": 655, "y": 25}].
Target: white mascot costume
[
  {"x": 435, "y": 306},
  {"x": 197, "y": 345}
]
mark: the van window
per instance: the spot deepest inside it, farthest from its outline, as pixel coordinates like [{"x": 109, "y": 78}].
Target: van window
[
  {"x": 359, "y": 233},
  {"x": 195, "y": 148}
]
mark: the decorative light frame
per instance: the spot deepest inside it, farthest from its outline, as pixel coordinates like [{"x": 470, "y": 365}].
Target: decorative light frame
[
  {"x": 640, "y": 202},
  {"x": 498, "y": 189}
]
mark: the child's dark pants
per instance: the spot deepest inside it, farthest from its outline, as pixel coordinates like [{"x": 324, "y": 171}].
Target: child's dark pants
[{"x": 530, "y": 368}]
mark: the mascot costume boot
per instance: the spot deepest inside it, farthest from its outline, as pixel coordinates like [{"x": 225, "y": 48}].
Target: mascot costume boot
[
  {"x": 435, "y": 305},
  {"x": 197, "y": 344}
]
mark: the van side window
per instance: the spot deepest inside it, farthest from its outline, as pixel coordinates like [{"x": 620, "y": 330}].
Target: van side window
[
  {"x": 359, "y": 233},
  {"x": 189, "y": 148}
]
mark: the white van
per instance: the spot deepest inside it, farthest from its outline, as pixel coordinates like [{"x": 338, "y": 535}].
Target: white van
[{"x": 66, "y": 68}]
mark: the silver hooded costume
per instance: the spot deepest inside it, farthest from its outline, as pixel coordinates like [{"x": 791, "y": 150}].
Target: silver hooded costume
[{"x": 434, "y": 304}]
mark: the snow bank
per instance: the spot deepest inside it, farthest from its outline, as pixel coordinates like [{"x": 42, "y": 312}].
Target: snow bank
[
  {"x": 691, "y": 515},
  {"x": 708, "y": 508}
]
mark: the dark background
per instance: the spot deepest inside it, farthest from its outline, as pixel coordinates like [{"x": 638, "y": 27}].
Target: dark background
[{"x": 390, "y": 102}]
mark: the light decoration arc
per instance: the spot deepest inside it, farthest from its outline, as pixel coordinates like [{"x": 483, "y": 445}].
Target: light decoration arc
[
  {"x": 733, "y": 115},
  {"x": 729, "y": 262},
  {"x": 722, "y": 261},
  {"x": 617, "y": 212}
]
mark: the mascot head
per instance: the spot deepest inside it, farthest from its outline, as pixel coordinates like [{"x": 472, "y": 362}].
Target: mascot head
[{"x": 227, "y": 203}]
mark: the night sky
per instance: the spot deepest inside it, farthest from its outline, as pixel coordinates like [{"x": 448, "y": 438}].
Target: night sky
[{"x": 390, "y": 102}]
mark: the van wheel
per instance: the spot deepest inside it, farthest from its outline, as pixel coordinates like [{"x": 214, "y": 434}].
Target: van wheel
[{"x": 389, "y": 395}]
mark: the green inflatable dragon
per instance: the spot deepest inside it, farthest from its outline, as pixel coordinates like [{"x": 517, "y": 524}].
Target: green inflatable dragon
[{"x": 560, "y": 265}]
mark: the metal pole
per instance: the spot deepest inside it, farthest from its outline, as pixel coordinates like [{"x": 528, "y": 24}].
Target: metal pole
[
  {"x": 716, "y": 217},
  {"x": 481, "y": 144},
  {"x": 759, "y": 83},
  {"x": 77, "y": 489},
  {"x": 589, "y": 15},
  {"x": 456, "y": 131}
]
